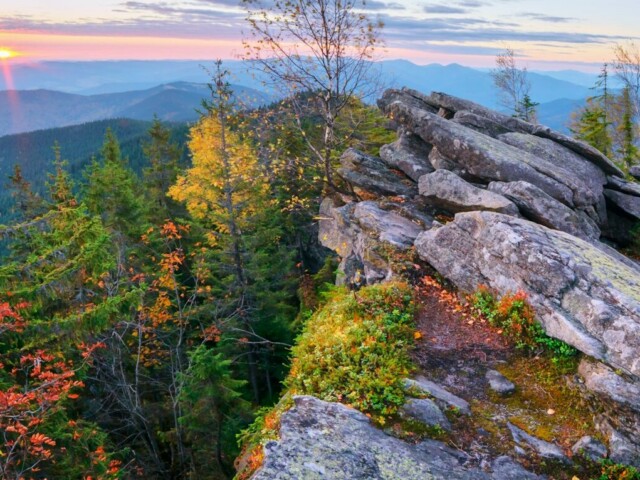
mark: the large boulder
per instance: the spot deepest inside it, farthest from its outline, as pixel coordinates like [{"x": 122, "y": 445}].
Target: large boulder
[
  {"x": 584, "y": 175},
  {"x": 482, "y": 156},
  {"x": 357, "y": 231},
  {"x": 408, "y": 154},
  {"x": 372, "y": 175},
  {"x": 321, "y": 440},
  {"x": 635, "y": 172},
  {"x": 586, "y": 296},
  {"x": 536, "y": 205},
  {"x": 448, "y": 191}
]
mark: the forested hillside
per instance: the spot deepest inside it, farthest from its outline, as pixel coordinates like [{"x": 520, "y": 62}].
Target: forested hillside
[
  {"x": 147, "y": 313},
  {"x": 33, "y": 152},
  {"x": 321, "y": 286}
]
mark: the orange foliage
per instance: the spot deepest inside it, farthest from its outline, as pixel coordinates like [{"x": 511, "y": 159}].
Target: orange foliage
[{"x": 48, "y": 380}]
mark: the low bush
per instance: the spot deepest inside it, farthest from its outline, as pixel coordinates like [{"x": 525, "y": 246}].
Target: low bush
[
  {"x": 515, "y": 317},
  {"x": 355, "y": 350}
]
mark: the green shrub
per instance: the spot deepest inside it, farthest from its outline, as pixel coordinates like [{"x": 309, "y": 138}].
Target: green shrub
[
  {"x": 616, "y": 471},
  {"x": 355, "y": 350},
  {"x": 516, "y": 318}
]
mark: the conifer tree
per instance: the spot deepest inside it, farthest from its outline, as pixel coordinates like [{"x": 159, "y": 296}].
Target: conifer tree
[
  {"x": 113, "y": 191},
  {"x": 227, "y": 191},
  {"x": 628, "y": 149},
  {"x": 164, "y": 165}
]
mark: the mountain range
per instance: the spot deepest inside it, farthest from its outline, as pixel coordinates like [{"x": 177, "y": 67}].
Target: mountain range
[
  {"x": 29, "y": 110},
  {"x": 57, "y": 94}
]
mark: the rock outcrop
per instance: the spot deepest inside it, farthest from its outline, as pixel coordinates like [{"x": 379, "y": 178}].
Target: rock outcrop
[
  {"x": 582, "y": 295},
  {"x": 320, "y": 440},
  {"x": 534, "y": 210}
]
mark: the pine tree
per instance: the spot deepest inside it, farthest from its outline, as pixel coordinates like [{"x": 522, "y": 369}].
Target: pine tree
[
  {"x": 594, "y": 124},
  {"x": 26, "y": 203},
  {"x": 214, "y": 409}
]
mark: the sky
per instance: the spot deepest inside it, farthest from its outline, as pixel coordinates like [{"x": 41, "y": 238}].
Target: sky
[{"x": 546, "y": 34}]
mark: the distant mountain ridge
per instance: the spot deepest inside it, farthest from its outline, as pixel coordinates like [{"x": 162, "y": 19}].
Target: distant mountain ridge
[{"x": 30, "y": 110}]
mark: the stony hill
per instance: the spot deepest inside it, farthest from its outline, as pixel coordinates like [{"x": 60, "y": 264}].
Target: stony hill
[{"x": 495, "y": 208}]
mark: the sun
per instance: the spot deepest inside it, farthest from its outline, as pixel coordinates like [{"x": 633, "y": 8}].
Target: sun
[{"x": 5, "y": 53}]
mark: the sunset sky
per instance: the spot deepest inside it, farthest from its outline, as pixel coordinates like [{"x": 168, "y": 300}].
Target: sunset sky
[{"x": 548, "y": 34}]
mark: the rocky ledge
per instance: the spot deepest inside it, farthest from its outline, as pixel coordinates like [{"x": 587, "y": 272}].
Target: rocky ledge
[
  {"x": 321, "y": 440},
  {"x": 485, "y": 199}
]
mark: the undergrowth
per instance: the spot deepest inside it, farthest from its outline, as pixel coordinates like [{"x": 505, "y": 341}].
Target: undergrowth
[
  {"x": 515, "y": 318},
  {"x": 615, "y": 471},
  {"x": 355, "y": 350}
]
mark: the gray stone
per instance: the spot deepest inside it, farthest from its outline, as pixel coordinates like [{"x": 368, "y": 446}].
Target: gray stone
[
  {"x": 442, "y": 100},
  {"x": 448, "y": 191},
  {"x": 479, "y": 123},
  {"x": 621, "y": 449},
  {"x": 635, "y": 172},
  {"x": 544, "y": 449},
  {"x": 629, "y": 204},
  {"x": 499, "y": 383},
  {"x": 482, "y": 156},
  {"x": 585, "y": 178},
  {"x": 321, "y": 440},
  {"x": 373, "y": 175},
  {"x": 426, "y": 411},
  {"x": 536, "y": 205},
  {"x": 582, "y": 295},
  {"x": 590, "y": 448},
  {"x": 355, "y": 232},
  {"x": 631, "y": 188},
  {"x": 442, "y": 396},
  {"x": 408, "y": 154},
  {"x": 603, "y": 380},
  {"x": 505, "y": 468},
  {"x": 386, "y": 226}
]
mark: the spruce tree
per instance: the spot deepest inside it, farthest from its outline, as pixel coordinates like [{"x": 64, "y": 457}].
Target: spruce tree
[
  {"x": 628, "y": 149},
  {"x": 113, "y": 191},
  {"x": 164, "y": 165},
  {"x": 226, "y": 190}
]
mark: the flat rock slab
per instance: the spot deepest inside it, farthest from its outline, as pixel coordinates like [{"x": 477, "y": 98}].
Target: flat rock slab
[
  {"x": 586, "y": 178},
  {"x": 321, "y": 441},
  {"x": 440, "y": 394},
  {"x": 455, "y": 104},
  {"x": 540, "y": 447},
  {"x": 536, "y": 205},
  {"x": 582, "y": 295},
  {"x": 373, "y": 175},
  {"x": 499, "y": 383},
  {"x": 448, "y": 191},
  {"x": 632, "y": 188}
]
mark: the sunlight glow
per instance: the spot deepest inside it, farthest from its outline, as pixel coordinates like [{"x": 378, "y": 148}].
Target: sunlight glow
[{"x": 5, "y": 53}]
